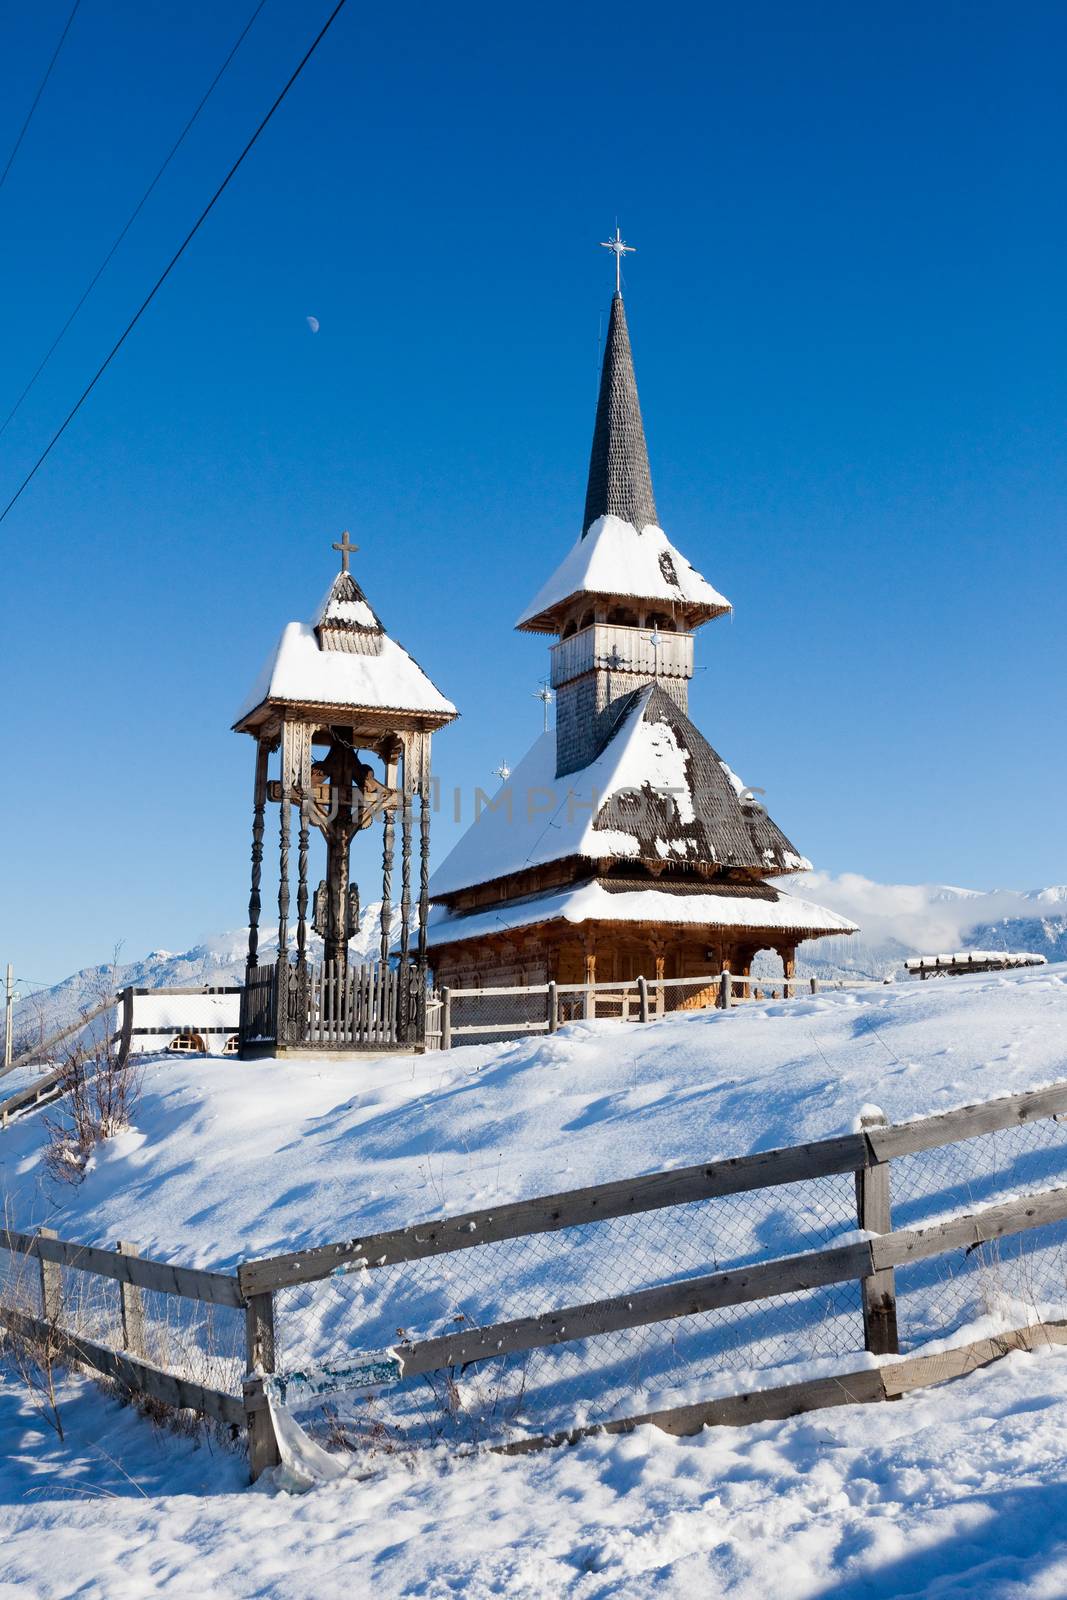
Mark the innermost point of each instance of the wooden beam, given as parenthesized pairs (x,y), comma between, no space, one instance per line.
(191,1283)
(977,1227)
(140,1376)
(733,1411)
(132,1309)
(548,1213)
(874,1215)
(948,1127)
(664,1303)
(868,1385)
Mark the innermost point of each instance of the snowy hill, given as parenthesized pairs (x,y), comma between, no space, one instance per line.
(231,1159)
(378,1144)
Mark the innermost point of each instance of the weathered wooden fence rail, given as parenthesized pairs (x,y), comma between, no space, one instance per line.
(870,1260)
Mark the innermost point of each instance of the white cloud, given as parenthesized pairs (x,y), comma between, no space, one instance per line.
(923,917)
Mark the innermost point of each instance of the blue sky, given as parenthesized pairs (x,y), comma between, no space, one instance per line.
(847,310)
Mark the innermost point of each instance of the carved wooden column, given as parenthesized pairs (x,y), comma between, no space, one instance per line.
(302,885)
(259,806)
(282,986)
(296,781)
(424,881)
(405,886)
(390,760)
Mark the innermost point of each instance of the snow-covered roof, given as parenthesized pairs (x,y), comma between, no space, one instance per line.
(615,558)
(301,671)
(595,901)
(957,959)
(657,791)
(345,614)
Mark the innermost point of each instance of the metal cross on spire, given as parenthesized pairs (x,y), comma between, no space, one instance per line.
(619,248)
(346,548)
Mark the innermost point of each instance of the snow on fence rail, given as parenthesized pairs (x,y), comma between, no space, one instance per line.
(741,1288)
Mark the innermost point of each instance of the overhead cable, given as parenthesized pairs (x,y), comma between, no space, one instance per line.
(134,214)
(172,263)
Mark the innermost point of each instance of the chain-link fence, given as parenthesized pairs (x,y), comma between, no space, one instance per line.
(569,1383)
(485,1015)
(591,1379)
(190,1339)
(1022,1278)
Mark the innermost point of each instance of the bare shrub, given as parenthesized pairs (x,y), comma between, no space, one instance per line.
(32,1334)
(98,1092)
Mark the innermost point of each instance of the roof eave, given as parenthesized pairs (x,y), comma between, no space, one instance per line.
(332,711)
(694,612)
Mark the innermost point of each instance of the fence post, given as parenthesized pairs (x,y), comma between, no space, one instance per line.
(132,1308)
(446,1017)
(725,991)
(588,1001)
(642,999)
(874,1213)
(51,1283)
(552,1003)
(814,985)
(260,1351)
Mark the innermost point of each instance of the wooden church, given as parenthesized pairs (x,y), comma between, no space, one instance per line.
(622,845)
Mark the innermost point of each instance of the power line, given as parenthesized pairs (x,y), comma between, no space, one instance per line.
(134,214)
(37,96)
(172,263)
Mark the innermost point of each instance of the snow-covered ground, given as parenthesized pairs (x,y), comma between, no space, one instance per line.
(235,1159)
(958,1492)
(229,1160)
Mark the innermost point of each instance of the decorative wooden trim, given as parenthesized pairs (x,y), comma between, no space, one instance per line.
(302,885)
(283,851)
(388,855)
(424,881)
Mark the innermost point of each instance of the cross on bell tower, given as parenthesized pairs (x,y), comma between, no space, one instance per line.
(347,548)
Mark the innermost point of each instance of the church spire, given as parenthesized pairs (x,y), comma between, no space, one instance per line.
(620,483)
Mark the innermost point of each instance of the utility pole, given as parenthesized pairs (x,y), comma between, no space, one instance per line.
(9,1002)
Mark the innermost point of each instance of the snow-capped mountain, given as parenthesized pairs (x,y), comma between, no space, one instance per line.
(901,920)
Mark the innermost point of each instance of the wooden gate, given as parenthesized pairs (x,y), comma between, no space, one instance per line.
(351,1007)
(258,1005)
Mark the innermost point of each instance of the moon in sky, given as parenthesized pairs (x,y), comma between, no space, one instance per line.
(313,324)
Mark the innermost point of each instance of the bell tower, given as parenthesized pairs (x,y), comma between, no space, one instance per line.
(345,717)
(624,603)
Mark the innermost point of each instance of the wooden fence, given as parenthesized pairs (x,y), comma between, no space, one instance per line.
(472,1014)
(871,1261)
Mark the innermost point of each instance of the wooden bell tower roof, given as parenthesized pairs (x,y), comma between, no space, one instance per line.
(342,666)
